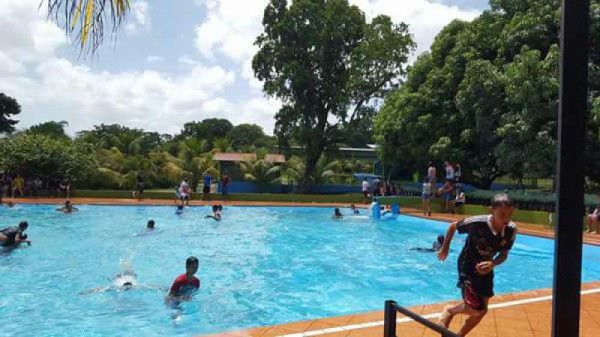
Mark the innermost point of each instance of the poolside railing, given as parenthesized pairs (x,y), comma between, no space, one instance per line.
(389,320)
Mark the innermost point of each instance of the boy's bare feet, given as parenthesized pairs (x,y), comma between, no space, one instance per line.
(446,317)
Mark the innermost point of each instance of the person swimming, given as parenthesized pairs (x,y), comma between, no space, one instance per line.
(14,236)
(216,209)
(123,281)
(435,247)
(67,208)
(337,214)
(179,210)
(355,210)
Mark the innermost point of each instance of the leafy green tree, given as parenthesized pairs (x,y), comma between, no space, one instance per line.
(51,129)
(45,157)
(322,72)
(127,140)
(8,108)
(208,129)
(246,136)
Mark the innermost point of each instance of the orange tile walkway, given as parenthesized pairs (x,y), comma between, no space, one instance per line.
(508,315)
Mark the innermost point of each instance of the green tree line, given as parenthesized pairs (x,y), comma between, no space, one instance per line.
(486,95)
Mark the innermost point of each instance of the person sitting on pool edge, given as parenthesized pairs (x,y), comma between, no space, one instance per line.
(216,209)
(337,214)
(355,210)
(67,208)
(185,285)
(14,236)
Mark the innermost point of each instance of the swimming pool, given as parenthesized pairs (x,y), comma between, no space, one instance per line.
(259,266)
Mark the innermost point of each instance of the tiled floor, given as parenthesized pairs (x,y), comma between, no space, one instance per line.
(507,317)
(514,320)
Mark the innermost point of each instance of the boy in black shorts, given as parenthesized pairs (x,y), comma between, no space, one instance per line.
(489,239)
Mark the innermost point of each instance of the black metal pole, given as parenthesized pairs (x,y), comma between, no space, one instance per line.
(571,143)
(389,319)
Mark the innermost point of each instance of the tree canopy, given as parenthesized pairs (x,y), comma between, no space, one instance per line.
(486,95)
(325,63)
(8,108)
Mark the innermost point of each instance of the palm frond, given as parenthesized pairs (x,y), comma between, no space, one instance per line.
(84,19)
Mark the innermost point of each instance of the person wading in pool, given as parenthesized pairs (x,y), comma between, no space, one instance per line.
(216,209)
(489,239)
(185,285)
(14,236)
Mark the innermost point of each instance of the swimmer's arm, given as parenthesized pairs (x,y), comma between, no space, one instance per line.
(443,253)
(94,290)
(18,239)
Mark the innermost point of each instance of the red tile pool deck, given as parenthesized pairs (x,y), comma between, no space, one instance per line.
(525,314)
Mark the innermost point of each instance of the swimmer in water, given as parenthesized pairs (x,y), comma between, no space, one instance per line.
(123,281)
(337,214)
(150,225)
(14,236)
(67,208)
(185,285)
(216,209)
(435,247)
(355,210)
(179,210)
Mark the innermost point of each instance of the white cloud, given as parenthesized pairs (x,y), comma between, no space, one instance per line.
(424,18)
(154,59)
(139,19)
(186,60)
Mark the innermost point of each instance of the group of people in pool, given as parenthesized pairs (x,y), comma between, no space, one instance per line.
(487,245)
(337,214)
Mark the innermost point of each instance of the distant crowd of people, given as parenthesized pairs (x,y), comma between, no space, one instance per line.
(17,185)
(451,192)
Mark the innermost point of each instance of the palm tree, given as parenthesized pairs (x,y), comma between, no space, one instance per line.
(260,171)
(85,19)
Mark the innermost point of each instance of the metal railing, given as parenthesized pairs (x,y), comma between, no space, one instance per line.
(389,320)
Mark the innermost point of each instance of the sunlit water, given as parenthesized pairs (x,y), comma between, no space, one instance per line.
(259,266)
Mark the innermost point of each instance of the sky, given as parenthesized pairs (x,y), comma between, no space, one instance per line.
(171,62)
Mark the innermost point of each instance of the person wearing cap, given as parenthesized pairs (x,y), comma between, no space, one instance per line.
(13,236)
(185,285)
(489,239)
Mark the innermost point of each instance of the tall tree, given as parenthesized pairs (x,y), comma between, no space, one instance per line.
(322,60)
(208,129)
(51,129)
(245,136)
(8,108)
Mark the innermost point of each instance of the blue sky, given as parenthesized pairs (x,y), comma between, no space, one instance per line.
(172,62)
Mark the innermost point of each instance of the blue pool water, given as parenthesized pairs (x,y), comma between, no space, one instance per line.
(259,266)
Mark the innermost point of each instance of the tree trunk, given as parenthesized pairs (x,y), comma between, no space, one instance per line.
(305,186)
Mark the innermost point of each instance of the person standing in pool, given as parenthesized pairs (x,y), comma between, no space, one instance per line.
(489,239)
(185,285)
(13,236)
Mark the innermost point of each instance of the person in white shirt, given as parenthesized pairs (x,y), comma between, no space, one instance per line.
(449,170)
(365,188)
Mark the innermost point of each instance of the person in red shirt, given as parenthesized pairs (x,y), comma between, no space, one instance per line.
(186,284)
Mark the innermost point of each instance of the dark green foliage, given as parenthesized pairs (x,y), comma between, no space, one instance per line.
(8,108)
(325,63)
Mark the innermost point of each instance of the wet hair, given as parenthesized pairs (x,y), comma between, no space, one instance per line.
(191,260)
(501,199)
(215,208)
(337,211)
(150,224)
(23,224)
(441,239)
(127,284)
